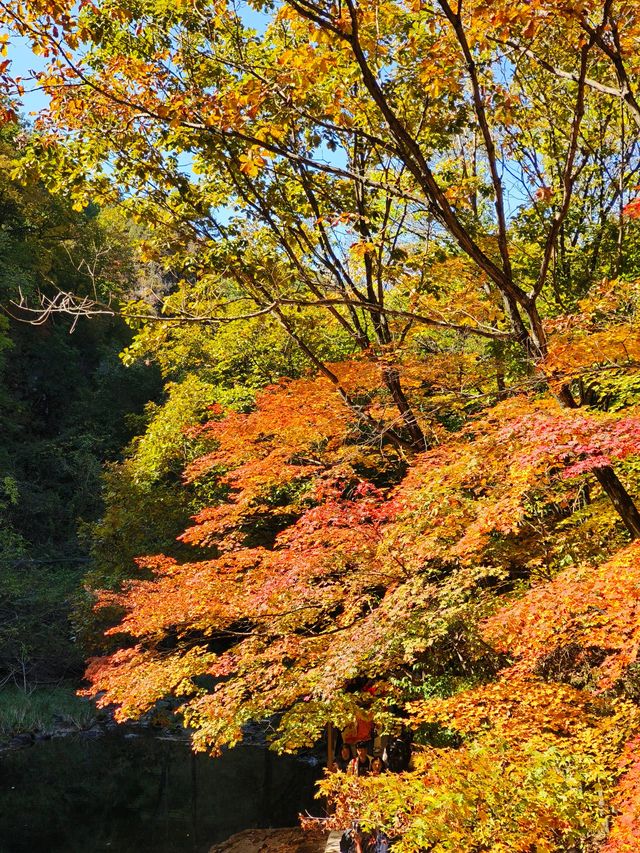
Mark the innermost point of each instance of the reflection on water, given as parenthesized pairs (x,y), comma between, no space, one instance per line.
(124,794)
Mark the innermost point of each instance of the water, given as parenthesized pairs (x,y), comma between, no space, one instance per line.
(125,794)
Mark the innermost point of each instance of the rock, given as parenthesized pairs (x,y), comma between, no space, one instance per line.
(289,840)
(21,740)
(64,731)
(93,732)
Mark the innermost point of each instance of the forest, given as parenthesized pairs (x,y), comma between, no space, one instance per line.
(319,372)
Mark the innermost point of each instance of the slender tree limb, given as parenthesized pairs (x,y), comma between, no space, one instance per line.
(455,20)
(569,176)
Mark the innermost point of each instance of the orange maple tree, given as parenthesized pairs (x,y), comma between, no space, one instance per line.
(333,557)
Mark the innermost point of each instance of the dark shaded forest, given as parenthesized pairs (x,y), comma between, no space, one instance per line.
(68,405)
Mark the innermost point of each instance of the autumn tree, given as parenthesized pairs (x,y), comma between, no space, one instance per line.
(437,191)
(347,184)
(315,549)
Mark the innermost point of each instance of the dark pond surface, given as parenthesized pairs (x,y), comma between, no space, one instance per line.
(137,794)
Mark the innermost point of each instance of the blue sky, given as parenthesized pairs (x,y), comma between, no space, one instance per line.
(23,61)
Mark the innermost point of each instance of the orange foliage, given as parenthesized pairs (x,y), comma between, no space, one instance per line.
(300,430)
(625,831)
(514,708)
(347,559)
(584,608)
(356,577)
(484,480)
(602,337)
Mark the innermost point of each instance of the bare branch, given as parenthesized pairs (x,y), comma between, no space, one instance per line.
(569,176)
(70,305)
(455,20)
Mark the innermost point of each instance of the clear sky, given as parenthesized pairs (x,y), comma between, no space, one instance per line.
(23,62)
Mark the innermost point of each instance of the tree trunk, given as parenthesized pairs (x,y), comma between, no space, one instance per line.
(411,425)
(608,479)
(566,398)
(620,498)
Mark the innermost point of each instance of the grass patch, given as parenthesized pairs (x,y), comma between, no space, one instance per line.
(43,709)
